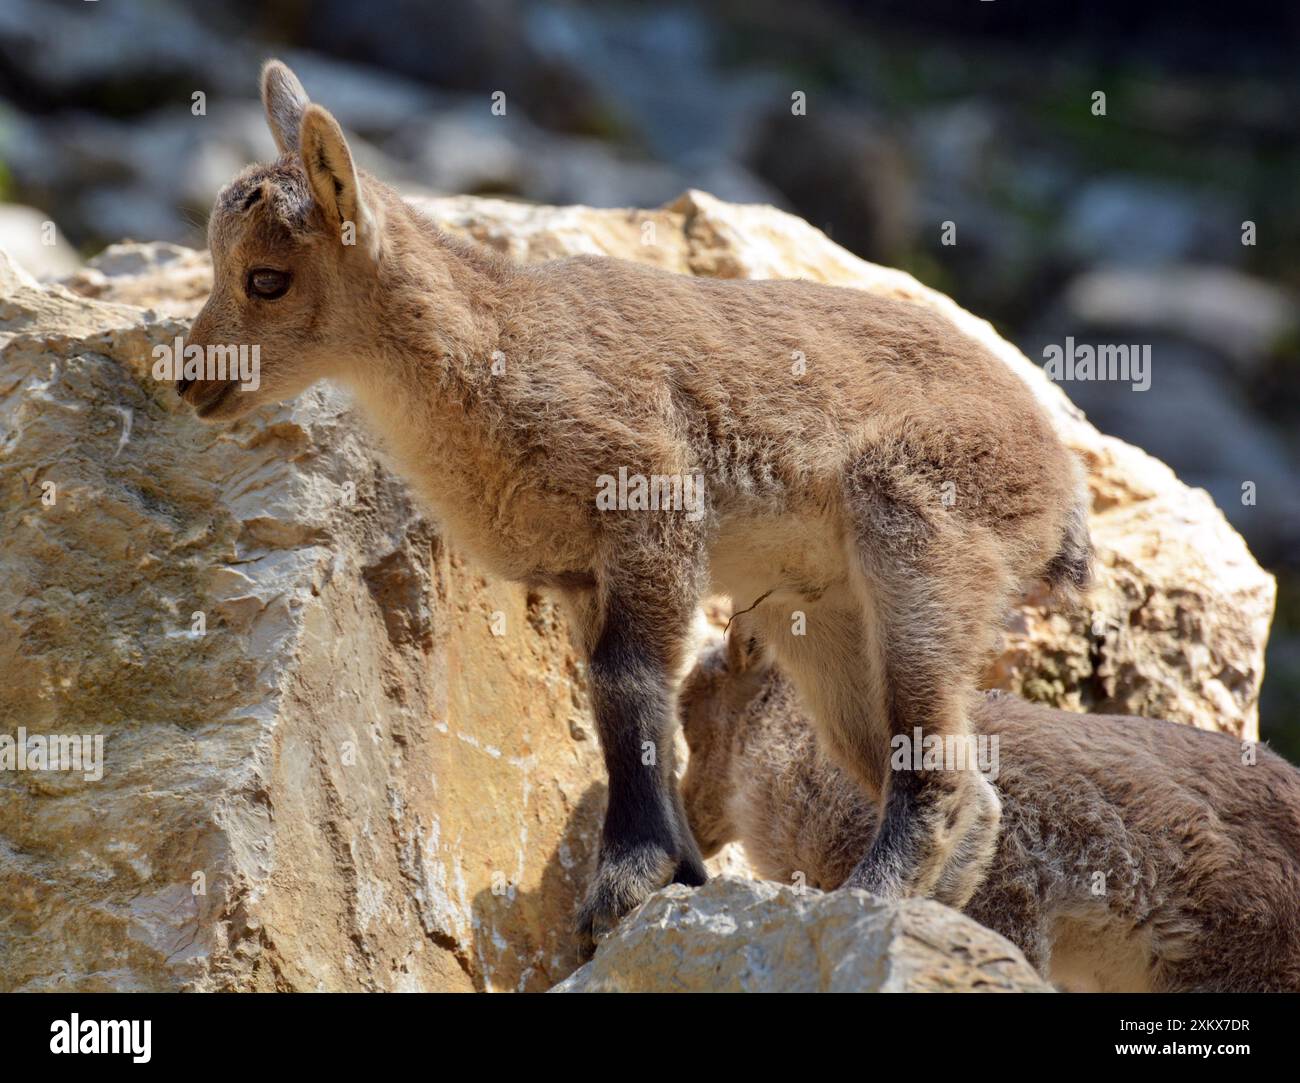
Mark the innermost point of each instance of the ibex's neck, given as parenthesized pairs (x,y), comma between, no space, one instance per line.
(442,311)
(440,295)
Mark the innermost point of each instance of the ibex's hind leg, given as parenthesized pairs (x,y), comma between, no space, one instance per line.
(932,592)
(844,681)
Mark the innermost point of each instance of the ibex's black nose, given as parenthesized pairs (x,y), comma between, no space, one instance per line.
(181,385)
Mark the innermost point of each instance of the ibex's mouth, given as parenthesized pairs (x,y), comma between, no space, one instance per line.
(206,409)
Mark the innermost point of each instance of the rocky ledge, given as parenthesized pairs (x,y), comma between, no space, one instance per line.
(747,936)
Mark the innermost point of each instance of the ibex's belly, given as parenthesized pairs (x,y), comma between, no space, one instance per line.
(795,557)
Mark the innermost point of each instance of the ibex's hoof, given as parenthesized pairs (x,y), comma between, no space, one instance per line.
(594,924)
(876,879)
(691,872)
(620,885)
(947,823)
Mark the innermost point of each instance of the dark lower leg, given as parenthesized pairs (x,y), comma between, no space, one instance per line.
(645,841)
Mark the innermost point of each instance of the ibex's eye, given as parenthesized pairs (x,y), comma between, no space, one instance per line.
(266,284)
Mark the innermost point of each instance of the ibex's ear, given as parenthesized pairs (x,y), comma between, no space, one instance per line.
(285,101)
(333,178)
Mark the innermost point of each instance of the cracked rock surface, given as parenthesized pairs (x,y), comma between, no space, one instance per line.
(748,936)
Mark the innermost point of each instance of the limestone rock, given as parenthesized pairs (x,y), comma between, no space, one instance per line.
(341,778)
(171,280)
(744,936)
(324,767)
(34,242)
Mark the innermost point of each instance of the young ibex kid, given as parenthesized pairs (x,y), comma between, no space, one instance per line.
(1134,854)
(894,494)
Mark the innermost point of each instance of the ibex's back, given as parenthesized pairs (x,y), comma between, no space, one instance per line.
(775,388)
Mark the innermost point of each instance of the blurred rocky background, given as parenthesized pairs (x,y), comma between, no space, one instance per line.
(1169,221)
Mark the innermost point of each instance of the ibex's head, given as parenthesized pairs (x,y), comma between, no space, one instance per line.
(712,703)
(294,251)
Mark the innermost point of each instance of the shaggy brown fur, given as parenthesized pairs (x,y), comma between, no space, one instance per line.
(1134,854)
(896,493)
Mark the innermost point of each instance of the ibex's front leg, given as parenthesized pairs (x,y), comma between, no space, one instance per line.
(638,629)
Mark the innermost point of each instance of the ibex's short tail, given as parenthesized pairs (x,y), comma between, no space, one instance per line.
(1069,573)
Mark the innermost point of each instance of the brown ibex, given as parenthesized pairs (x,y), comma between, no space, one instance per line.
(895,489)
